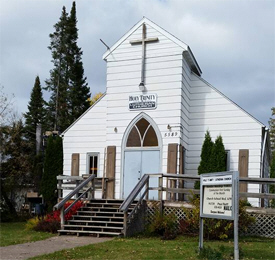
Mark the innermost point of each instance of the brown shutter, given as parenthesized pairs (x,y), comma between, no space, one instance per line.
(181,170)
(75,164)
(172,165)
(110,171)
(243,167)
(172,158)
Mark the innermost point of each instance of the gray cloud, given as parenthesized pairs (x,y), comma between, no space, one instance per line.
(233,42)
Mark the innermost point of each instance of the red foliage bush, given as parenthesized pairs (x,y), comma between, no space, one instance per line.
(51,223)
(55,215)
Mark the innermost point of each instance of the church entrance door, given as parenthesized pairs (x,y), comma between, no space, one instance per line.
(141,156)
(138,163)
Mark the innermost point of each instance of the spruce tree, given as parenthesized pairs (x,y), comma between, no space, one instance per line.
(35,117)
(69,91)
(205,163)
(79,90)
(53,166)
(35,114)
(58,83)
(218,156)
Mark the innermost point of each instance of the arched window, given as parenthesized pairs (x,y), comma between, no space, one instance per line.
(142,134)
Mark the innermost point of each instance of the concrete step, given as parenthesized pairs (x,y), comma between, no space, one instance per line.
(93,228)
(96,233)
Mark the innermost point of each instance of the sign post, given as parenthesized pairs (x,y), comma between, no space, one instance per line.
(219,198)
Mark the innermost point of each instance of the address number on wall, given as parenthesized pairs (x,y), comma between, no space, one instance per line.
(171,134)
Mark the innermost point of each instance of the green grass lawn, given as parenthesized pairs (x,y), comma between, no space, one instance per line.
(155,248)
(15,233)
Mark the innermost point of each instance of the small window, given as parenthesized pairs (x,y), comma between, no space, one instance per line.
(227,160)
(93,163)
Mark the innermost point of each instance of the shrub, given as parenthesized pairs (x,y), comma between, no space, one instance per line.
(213,228)
(164,226)
(47,225)
(51,223)
(32,223)
(53,166)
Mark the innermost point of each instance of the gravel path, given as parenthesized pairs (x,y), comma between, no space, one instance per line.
(50,245)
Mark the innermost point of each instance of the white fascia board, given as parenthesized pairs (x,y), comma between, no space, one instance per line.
(103,95)
(145,20)
(195,63)
(208,84)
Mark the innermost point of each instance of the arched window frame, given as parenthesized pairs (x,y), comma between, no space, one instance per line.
(142,135)
(132,124)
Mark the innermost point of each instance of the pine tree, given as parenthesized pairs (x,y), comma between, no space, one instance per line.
(79,90)
(53,166)
(35,117)
(35,114)
(205,163)
(58,83)
(218,156)
(70,92)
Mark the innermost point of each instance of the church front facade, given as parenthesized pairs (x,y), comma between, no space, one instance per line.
(154,115)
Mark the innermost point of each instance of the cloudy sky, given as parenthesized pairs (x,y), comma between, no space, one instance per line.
(233,42)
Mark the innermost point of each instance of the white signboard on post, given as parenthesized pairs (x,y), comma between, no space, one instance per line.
(219,198)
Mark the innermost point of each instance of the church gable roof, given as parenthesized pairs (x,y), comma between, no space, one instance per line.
(186,51)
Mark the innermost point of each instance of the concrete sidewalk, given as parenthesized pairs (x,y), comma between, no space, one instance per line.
(50,245)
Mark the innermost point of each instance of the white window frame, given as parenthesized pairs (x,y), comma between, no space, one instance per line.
(89,155)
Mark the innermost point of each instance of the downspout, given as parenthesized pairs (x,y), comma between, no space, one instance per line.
(262,204)
(263,154)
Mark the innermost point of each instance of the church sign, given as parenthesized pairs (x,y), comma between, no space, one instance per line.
(141,102)
(219,198)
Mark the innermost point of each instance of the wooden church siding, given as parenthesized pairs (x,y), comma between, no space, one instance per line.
(88,134)
(210,110)
(162,77)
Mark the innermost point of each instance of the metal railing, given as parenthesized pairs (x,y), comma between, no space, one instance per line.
(76,191)
(144,182)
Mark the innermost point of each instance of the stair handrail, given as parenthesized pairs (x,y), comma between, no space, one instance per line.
(61,204)
(131,197)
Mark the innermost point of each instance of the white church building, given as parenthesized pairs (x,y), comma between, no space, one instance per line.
(154,115)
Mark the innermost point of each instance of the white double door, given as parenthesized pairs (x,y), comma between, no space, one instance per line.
(136,164)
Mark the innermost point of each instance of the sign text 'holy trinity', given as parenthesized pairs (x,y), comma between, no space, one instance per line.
(140,102)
